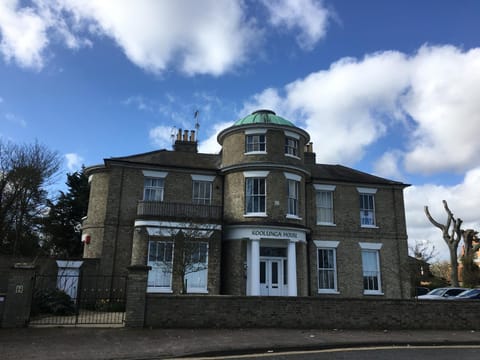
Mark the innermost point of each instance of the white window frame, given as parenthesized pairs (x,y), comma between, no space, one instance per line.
(330,189)
(154,189)
(293,200)
(256,175)
(255,134)
(328,246)
(369,193)
(158,265)
(292,151)
(371,248)
(200,276)
(205,182)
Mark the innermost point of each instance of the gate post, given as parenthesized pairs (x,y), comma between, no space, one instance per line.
(19,296)
(136,295)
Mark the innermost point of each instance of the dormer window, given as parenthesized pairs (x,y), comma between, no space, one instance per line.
(255,141)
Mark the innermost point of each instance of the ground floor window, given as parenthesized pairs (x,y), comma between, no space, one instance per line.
(160,258)
(371,272)
(196,266)
(327,270)
(327,266)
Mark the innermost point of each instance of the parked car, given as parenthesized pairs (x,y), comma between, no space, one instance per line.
(420,290)
(472,294)
(442,293)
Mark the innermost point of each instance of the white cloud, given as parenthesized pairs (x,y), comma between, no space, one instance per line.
(444,100)
(26,31)
(434,94)
(198,37)
(74,161)
(1,100)
(344,107)
(310,17)
(463,200)
(161,136)
(24,34)
(210,145)
(388,165)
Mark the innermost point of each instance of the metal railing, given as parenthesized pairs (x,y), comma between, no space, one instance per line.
(76,300)
(171,209)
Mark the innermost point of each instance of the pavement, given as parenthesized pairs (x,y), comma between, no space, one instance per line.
(129,343)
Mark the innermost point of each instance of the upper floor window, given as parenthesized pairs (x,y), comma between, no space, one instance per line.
(293,194)
(153,185)
(255,195)
(292,208)
(255,192)
(324,204)
(327,266)
(255,141)
(372,284)
(367,207)
(202,189)
(291,144)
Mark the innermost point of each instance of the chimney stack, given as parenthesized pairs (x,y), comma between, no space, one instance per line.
(185,142)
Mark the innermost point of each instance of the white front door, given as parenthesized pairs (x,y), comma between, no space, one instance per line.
(271,277)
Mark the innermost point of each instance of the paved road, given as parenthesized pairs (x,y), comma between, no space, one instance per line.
(128,343)
(379,353)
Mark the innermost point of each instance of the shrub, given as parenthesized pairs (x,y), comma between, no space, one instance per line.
(52,301)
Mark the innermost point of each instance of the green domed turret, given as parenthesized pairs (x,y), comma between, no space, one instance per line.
(263,117)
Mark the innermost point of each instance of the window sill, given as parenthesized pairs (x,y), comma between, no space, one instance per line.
(255,153)
(255,215)
(293,156)
(159,290)
(371,292)
(294,217)
(327,291)
(199,291)
(369,226)
(326,224)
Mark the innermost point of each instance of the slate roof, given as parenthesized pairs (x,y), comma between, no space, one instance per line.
(173,159)
(340,173)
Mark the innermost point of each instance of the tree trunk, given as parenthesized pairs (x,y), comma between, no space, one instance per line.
(454,266)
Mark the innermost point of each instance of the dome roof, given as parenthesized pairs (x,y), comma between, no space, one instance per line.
(263,117)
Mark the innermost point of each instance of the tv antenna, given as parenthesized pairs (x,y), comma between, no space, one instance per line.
(197,124)
(173,133)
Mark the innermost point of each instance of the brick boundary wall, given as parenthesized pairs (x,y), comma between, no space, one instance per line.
(308,313)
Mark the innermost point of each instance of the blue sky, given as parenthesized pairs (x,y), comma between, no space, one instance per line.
(387,87)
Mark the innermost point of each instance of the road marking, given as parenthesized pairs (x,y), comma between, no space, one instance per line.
(271,353)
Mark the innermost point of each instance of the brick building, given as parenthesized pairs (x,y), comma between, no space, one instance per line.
(259,218)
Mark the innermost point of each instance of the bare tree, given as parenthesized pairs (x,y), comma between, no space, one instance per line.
(190,255)
(423,250)
(452,234)
(441,270)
